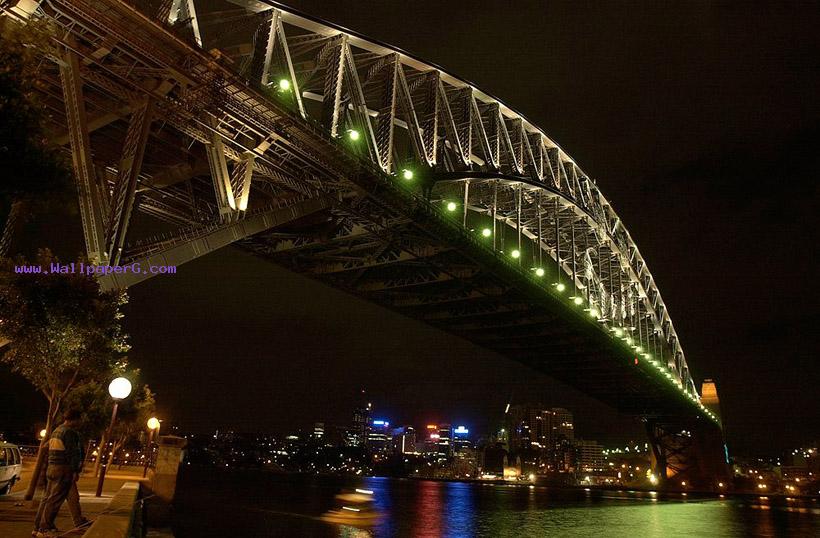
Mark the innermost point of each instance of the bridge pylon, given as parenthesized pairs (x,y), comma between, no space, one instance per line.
(689,453)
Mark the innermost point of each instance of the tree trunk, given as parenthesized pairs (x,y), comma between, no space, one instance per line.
(13,222)
(100,448)
(42,452)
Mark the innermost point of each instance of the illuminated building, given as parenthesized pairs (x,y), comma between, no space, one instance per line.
(318,430)
(361,420)
(460,440)
(590,455)
(445,447)
(562,424)
(404,440)
(378,435)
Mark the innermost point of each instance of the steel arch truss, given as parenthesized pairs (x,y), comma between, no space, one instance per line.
(205,119)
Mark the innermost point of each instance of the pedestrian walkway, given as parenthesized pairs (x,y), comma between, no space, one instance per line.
(17,515)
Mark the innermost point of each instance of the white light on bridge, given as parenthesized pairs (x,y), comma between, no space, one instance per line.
(560,286)
(284,84)
(408,175)
(451,206)
(353,134)
(486,232)
(577,300)
(515,253)
(539,272)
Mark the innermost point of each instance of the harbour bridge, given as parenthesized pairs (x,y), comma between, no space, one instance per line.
(195,124)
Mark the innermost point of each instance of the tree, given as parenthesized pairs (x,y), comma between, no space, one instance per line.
(63,331)
(34,171)
(95,403)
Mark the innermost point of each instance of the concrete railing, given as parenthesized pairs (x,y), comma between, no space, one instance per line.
(121,518)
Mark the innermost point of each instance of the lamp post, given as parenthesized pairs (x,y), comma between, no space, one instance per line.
(153,426)
(119,389)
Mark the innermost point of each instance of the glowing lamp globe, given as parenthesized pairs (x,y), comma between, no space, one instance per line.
(43,433)
(451,206)
(516,253)
(486,232)
(120,388)
(353,134)
(539,272)
(284,84)
(407,174)
(153,423)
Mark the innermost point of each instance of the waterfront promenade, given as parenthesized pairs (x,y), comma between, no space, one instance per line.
(17,515)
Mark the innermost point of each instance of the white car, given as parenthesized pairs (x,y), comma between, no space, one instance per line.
(11,465)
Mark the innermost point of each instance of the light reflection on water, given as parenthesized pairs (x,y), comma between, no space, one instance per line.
(270,505)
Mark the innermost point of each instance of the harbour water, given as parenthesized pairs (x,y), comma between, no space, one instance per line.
(250,503)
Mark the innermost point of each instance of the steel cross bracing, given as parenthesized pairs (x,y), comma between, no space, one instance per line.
(200,118)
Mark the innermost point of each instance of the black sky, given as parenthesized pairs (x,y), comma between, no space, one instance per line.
(700,122)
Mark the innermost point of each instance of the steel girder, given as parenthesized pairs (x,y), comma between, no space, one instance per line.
(410,113)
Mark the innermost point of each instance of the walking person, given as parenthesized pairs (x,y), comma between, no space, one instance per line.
(65,459)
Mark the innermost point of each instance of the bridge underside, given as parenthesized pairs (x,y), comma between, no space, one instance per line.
(434,274)
(178,151)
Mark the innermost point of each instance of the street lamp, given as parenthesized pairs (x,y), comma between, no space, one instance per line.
(119,389)
(153,426)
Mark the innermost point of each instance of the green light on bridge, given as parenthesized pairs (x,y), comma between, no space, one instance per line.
(353,134)
(284,85)
(486,232)
(594,313)
(451,206)
(515,254)
(578,300)
(560,286)
(539,272)
(408,175)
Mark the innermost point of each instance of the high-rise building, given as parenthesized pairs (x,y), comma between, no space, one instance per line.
(590,455)
(378,436)
(361,421)
(562,424)
(404,440)
(318,430)
(460,439)
(431,437)
(445,438)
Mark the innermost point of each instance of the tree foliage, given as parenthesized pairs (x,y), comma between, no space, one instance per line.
(63,329)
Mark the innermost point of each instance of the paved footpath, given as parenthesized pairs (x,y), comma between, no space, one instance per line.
(17,515)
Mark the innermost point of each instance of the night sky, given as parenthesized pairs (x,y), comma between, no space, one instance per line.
(700,123)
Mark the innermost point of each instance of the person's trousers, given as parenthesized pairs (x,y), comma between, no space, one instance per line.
(59,487)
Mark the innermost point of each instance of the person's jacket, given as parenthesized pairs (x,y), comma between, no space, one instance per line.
(65,448)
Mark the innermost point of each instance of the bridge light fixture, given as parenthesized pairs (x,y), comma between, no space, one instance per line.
(353,134)
(284,84)
(539,271)
(515,253)
(486,232)
(451,206)
(407,174)
(578,300)
(618,332)
(560,286)
(629,340)
(594,313)
(638,349)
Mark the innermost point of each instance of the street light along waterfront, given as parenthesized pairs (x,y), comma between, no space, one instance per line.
(119,389)
(153,426)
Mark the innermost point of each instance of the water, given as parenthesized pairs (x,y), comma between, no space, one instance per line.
(244,503)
